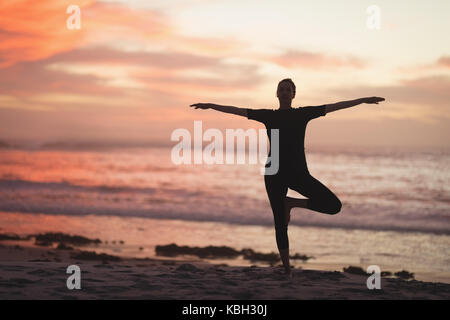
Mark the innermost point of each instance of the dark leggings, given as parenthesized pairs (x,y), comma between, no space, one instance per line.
(320,199)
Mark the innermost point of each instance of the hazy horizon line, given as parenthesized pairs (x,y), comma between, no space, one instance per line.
(83,144)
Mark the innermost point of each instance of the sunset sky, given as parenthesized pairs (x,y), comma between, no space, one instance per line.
(132,70)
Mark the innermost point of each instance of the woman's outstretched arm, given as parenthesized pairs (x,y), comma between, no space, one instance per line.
(351,103)
(218,107)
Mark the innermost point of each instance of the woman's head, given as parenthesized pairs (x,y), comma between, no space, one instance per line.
(286,89)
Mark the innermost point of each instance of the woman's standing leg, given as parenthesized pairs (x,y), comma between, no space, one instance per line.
(276,188)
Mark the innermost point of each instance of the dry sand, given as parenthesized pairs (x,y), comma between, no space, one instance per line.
(40,273)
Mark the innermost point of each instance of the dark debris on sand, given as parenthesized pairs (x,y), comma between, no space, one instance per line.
(213,252)
(404,275)
(91,255)
(172,250)
(62,246)
(355,270)
(12,236)
(188,267)
(50,238)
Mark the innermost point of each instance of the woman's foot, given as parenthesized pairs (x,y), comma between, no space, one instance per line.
(289,274)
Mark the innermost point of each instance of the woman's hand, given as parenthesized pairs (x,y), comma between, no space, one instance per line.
(373,100)
(202,105)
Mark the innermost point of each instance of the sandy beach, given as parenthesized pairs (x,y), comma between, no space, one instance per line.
(41,273)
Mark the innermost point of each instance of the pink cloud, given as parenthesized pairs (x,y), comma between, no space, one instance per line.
(31,78)
(443,62)
(159,71)
(167,60)
(431,92)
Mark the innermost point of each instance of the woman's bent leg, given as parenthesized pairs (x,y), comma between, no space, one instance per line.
(320,198)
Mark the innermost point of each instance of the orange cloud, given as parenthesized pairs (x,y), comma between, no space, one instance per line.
(109,21)
(31,31)
(310,60)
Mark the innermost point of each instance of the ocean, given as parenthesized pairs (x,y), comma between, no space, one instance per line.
(395,213)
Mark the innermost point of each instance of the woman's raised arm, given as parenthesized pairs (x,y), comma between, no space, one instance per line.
(218,107)
(351,103)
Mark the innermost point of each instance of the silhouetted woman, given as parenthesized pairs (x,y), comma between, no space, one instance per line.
(293,171)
